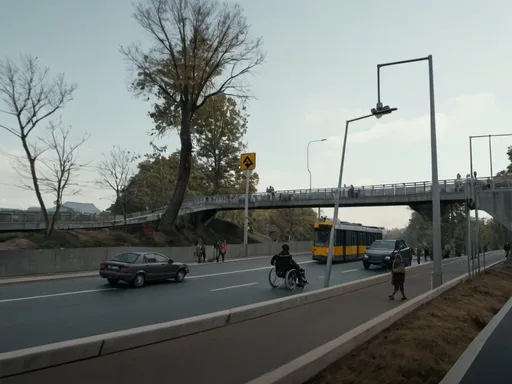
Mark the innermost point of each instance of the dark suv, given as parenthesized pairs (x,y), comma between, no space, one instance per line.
(382,252)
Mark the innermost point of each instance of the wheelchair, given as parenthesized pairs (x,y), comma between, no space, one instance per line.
(289,277)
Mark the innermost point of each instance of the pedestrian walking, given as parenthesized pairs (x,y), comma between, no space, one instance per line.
(216,250)
(398,277)
(506,248)
(223,249)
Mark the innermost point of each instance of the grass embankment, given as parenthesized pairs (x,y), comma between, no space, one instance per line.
(423,346)
(110,237)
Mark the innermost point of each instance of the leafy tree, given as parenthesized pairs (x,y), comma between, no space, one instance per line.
(200,49)
(156,174)
(220,127)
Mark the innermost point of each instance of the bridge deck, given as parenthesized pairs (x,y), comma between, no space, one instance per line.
(374,195)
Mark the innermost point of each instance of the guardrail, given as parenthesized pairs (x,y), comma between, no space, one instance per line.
(192,204)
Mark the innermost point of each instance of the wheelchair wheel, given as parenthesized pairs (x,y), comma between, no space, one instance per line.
(274,280)
(291,280)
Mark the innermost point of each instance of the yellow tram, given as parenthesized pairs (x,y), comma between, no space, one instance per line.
(350,240)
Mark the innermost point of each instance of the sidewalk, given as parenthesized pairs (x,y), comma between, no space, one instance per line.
(487,359)
(492,364)
(243,351)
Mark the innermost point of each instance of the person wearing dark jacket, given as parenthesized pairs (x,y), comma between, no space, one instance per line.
(285,254)
(398,277)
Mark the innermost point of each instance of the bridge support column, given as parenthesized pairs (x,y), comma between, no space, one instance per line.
(498,204)
(425,209)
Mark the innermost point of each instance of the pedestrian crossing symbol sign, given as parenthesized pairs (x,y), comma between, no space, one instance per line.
(248,161)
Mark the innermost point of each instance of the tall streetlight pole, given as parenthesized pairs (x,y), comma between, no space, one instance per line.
(312,141)
(375,113)
(476,251)
(437,274)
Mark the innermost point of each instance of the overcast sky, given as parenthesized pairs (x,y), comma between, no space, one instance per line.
(320,71)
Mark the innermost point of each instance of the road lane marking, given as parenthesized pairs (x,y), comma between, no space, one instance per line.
(351,270)
(233,286)
(241,271)
(55,295)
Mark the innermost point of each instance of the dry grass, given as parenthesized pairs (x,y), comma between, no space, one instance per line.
(424,345)
(114,237)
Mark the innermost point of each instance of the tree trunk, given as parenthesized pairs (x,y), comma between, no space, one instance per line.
(185,167)
(54,219)
(35,182)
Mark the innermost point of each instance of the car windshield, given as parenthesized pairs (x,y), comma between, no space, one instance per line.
(322,237)
(383,244)
(129,258)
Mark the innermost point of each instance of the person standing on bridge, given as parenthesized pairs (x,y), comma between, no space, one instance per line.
(398,277)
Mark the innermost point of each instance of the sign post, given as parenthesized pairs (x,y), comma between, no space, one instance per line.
(247,164)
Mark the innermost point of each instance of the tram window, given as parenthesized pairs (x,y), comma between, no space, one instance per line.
(339,239)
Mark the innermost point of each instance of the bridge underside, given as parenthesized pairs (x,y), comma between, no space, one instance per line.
(498,204)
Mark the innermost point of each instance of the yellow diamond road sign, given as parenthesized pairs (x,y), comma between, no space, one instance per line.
(248,161)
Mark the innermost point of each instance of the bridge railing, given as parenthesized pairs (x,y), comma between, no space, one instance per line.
(193,203)
(413,188)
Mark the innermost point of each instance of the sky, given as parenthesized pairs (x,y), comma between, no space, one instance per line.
(320,71)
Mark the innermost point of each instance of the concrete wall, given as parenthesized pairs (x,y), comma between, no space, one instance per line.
(47,261)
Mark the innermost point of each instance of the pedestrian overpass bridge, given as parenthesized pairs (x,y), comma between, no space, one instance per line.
(417,195)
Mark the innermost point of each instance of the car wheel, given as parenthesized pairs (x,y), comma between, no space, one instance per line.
(366,265)
(180,276)
(113,281)
(139,280)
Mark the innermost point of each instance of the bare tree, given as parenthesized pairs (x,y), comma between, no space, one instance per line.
(30,96)
(201,48)
(55,170)
(115,172)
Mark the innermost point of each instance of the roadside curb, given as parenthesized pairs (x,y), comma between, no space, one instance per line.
(78,275)
(310,364)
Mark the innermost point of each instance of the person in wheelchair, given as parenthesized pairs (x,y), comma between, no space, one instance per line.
(284,262)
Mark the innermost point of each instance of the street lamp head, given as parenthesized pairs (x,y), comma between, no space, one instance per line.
(381,110)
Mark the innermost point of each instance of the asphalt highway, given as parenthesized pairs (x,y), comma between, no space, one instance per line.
(46,312)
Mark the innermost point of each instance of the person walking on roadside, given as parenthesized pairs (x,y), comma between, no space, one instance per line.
(223,248)
(198,251)
(216,250)
(506,248)
(398,277)
(426,252)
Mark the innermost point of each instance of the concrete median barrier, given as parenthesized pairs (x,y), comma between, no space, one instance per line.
(26,360)
(151,334)
(32,359)
(29,262)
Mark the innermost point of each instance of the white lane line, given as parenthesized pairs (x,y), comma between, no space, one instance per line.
(351,270)
(54,295)
(233,286)
(241,271)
